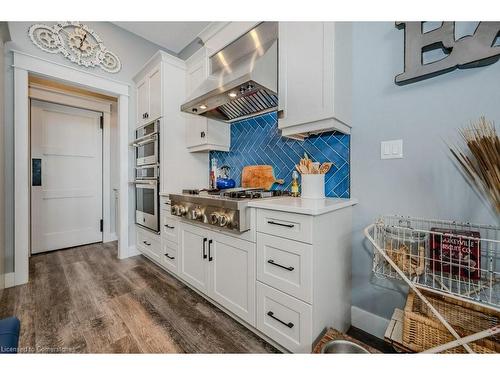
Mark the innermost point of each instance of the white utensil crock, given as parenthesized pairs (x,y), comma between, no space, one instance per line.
(313,186)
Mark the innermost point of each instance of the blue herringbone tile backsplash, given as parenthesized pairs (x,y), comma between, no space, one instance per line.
(258,141)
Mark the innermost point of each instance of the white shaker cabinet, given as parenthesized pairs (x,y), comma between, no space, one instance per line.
(149,96)
(314,80)
(193,257)
(161,90)
(203,134)
(220,266)
(232,281)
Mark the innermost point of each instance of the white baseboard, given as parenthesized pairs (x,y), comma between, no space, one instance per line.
(110,237)
(132,251)
(368,322)
(10,279)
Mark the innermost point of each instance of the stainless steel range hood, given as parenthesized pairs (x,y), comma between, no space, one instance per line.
(243,78)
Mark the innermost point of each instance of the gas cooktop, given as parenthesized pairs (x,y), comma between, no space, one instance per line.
(226,209)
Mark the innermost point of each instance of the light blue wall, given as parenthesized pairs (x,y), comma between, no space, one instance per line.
(133,51)
(425,114)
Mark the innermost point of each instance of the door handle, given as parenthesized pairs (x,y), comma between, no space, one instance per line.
(281,224)
(204,248)
(169,257)
(271,314)
(36,171)
(147,243)
(169,226)
(290,268)
(210,258)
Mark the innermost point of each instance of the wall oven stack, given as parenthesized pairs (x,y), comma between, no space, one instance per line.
(147,175)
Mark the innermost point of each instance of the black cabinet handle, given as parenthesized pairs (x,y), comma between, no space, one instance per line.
(36,170)
(281,224)
(271,314)
(290,268)
(204,248)
(147,243)
(202,134)
(169,226)
(169,257)
(210,258)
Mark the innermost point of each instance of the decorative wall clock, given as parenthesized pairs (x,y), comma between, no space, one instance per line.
(77,42)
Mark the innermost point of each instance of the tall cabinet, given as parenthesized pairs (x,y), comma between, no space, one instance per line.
(160,90)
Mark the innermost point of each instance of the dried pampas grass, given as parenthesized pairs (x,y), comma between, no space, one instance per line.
(480,159)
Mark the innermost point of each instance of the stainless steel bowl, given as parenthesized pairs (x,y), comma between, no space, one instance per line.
(343,347)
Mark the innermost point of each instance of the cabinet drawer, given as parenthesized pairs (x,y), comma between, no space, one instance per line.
(285,265)
(284,319)
(284,224)
(169,229)
(148,244)
(169,255)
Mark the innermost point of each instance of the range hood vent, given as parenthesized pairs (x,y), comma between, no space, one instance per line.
(243,78)
(258,102)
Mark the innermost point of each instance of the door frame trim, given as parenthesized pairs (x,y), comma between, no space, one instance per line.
(23,65)
(47,94)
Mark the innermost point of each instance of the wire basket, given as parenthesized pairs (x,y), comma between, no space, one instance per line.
(446,257)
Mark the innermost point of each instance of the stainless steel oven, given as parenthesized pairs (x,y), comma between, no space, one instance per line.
(147,144)
(147,208)
(147,172)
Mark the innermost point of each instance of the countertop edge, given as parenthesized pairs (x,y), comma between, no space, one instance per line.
(268,205)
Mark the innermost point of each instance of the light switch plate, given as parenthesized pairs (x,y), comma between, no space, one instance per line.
(391,149)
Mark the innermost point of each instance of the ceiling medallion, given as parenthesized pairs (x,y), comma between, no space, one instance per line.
(77,42)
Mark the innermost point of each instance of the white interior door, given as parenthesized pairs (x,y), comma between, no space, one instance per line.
(66,197)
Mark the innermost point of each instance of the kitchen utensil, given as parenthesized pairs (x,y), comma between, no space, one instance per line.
(325,167)
(259,176)
(307,166)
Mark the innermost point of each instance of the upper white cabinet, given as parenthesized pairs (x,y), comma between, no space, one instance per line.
(203,134)
(314,79)
(149,96)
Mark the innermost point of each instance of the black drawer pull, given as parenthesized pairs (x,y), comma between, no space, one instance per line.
(210,258)
(169,226)
(169,257)
(204,248)
(271,314)
(147,243)
(270,261)
(281,224)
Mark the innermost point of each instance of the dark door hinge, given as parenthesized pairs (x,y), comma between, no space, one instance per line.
(102,122)
(101,224)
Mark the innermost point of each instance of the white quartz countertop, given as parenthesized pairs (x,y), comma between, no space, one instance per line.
(303,206)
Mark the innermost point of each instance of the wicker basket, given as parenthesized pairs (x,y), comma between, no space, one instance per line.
(422,330)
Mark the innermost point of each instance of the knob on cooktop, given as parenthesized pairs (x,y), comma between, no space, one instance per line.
(214,218)
(196,214)
(223,220)
(179,210)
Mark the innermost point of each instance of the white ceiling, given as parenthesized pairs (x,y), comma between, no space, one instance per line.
(173,36)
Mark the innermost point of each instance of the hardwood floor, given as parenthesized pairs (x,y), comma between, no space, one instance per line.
(85,300)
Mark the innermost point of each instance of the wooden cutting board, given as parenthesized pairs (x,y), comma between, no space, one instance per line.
(259,176)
